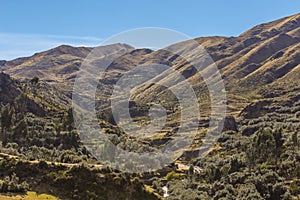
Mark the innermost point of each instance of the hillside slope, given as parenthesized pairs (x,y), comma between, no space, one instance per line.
(255,157)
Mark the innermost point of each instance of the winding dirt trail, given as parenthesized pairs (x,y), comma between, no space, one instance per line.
(69,165)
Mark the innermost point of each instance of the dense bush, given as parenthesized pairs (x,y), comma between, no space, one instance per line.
(173,175)
(13,184)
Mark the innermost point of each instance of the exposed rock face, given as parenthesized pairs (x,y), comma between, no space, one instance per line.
(230,124)
(4,80)
(255,109)
(10,91)
(249,130)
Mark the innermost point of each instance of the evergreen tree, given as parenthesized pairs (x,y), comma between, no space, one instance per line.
(7,121)
(278,144)
(264,144)
(68,120)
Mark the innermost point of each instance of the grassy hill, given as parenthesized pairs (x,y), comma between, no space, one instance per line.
(256,157)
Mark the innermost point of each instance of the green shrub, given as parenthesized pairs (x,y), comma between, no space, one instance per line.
(173,175)
(295,187)
(12,184)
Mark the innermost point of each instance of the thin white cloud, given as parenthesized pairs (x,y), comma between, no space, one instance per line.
(19,45)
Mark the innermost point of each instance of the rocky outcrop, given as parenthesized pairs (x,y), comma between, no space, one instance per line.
(230,124)
(8,89)
(255,109)
(10,93)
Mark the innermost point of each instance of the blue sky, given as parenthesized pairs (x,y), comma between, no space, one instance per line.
(31,26)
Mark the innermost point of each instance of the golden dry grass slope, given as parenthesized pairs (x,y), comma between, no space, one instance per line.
(267,55)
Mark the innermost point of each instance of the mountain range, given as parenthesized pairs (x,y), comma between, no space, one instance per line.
(260,70)
(265,57)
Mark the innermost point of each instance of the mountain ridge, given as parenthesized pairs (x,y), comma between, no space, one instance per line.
(254,157)
(258,57)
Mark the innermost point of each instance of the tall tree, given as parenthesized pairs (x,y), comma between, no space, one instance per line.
(277,134)
(7,121)
(264,144)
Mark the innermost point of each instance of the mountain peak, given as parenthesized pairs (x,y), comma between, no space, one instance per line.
(67,49)
(273,28)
